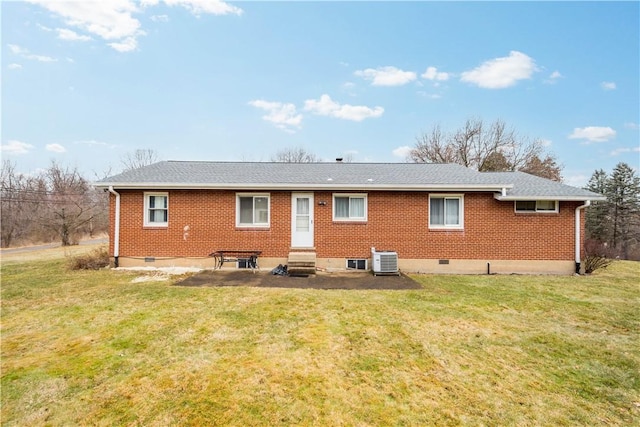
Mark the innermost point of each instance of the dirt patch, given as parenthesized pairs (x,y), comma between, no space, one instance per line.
(321,280)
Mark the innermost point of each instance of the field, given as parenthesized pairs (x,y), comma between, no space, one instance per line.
(109,348)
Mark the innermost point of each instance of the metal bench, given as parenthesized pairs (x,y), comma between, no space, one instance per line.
(231,255)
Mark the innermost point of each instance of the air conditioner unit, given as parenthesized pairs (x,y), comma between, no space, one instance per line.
(384,262)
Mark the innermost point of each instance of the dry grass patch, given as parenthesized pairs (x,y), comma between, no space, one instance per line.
(93,260)
(95,347)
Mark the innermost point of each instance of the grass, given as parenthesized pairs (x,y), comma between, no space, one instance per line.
(98,348)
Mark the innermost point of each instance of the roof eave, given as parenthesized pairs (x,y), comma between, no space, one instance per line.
(547,197)
(302,186)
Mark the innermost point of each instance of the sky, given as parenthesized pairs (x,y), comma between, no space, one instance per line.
(87,83)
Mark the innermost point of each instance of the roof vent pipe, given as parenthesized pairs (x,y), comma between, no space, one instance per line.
(116,227)
(587,203)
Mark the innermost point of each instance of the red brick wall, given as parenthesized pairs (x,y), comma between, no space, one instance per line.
(396,221)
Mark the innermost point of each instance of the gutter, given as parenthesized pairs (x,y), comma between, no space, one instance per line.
(587,203)
(328,186)
(116,227)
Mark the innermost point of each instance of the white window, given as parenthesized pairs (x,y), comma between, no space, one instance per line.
(252,210)
(446,211)
(539,206)
(349,207)
(156,209)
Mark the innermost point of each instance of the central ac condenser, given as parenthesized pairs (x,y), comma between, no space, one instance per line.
(384,262)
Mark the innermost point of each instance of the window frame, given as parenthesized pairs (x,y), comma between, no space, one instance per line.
(254,224)
(147,207)
(536,210)
(445,226)
(363,196)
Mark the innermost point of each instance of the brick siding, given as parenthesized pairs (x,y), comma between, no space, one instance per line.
(396,221)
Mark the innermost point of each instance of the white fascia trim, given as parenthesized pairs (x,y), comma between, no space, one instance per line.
(305,187)
(558,198)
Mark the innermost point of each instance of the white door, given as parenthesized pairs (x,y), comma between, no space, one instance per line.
(302,220)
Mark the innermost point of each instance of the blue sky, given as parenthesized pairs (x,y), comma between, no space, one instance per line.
(86,83)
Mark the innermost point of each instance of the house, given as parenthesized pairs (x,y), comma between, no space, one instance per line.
(437,218)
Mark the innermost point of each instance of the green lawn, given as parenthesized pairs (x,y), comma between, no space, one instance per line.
(97,348)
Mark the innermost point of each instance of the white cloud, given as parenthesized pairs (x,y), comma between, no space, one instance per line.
(160,18)
(326,107)
(111,20)
(386,76)
(66,34)
(608,85)
(554,77)
(56,148)
(15,147)
(632,125)
(24,53)
(546,142)
(214,7)
(593,134)
(402,151)
(429,95)
(114,20)
(619,151)
(432,73)
(126,45)
(502,72)
(283,116)
(14,66)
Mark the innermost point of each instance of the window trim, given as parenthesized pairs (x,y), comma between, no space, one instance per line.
(253,196)
(146,221)
(536,210)
(460,198)
(363,196)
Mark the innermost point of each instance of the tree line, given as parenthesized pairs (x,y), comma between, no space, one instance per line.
(613,225)
(57,204)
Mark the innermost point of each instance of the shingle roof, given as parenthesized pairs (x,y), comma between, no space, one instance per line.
(335,176)
(527,187)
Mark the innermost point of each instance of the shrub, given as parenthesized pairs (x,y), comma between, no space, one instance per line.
(94,260)
(597,255)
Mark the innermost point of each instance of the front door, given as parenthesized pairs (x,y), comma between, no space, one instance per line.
(302,220)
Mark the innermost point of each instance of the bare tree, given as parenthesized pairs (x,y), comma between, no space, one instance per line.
(20,201)
(545,168)
(295,155)
(432,147)
(57,203)
(70,205)
(139,158)
(485,148)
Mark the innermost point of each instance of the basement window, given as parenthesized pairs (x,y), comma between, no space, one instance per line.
(536,206)
(357,264)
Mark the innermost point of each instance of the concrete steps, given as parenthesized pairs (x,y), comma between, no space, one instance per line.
(301,263)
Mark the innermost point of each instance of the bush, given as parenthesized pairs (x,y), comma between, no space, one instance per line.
(94,260)
(597,255)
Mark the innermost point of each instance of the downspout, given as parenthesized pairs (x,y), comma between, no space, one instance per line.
(587,203)
(116,228)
